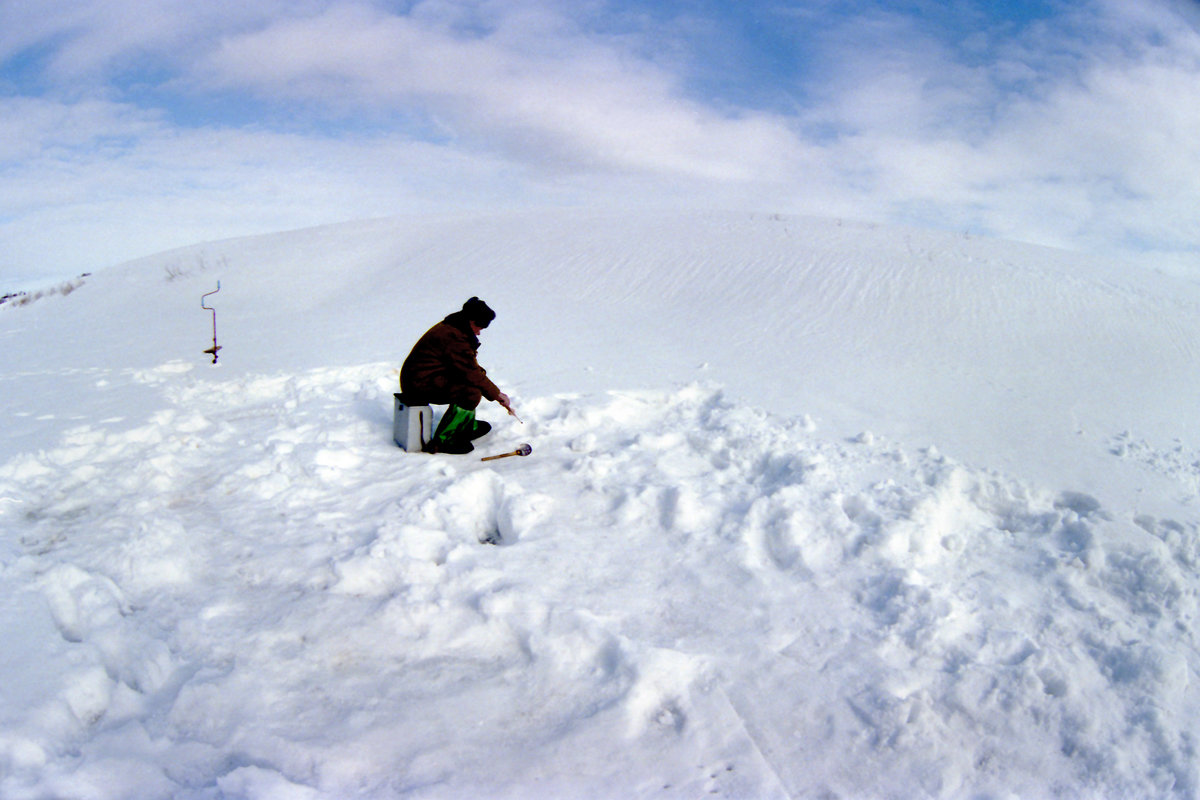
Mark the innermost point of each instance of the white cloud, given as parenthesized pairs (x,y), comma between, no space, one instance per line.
(1081,133)
(88,41)
(109,182)
(1077,131)
(541,92)
(525,106)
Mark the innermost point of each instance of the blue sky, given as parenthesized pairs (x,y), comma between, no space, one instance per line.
(132,126)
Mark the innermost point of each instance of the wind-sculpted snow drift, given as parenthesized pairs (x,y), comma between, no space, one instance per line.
(238,587)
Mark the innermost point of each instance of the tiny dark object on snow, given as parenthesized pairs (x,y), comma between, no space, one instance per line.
(212,350)
(523,450)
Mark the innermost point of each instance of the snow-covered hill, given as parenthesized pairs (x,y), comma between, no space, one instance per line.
(815,510)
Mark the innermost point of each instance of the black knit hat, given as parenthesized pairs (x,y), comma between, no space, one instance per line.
(478,312)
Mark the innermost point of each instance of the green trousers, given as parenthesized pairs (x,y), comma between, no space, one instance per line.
(456,422)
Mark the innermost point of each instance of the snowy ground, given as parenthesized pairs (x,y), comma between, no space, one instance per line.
(814,510)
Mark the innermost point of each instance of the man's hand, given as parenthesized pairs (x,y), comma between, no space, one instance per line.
(504,401)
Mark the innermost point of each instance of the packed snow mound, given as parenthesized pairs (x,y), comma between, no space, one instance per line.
(813,510)
(253,593)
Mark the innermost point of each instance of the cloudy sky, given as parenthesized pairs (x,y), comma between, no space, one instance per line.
(132,126)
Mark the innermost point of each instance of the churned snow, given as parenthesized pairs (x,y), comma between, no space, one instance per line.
(814,510)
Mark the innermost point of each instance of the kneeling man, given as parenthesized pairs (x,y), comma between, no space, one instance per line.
(442,369)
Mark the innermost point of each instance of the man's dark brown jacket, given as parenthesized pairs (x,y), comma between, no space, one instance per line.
(442,367)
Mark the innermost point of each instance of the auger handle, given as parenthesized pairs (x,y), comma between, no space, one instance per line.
(204,297)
